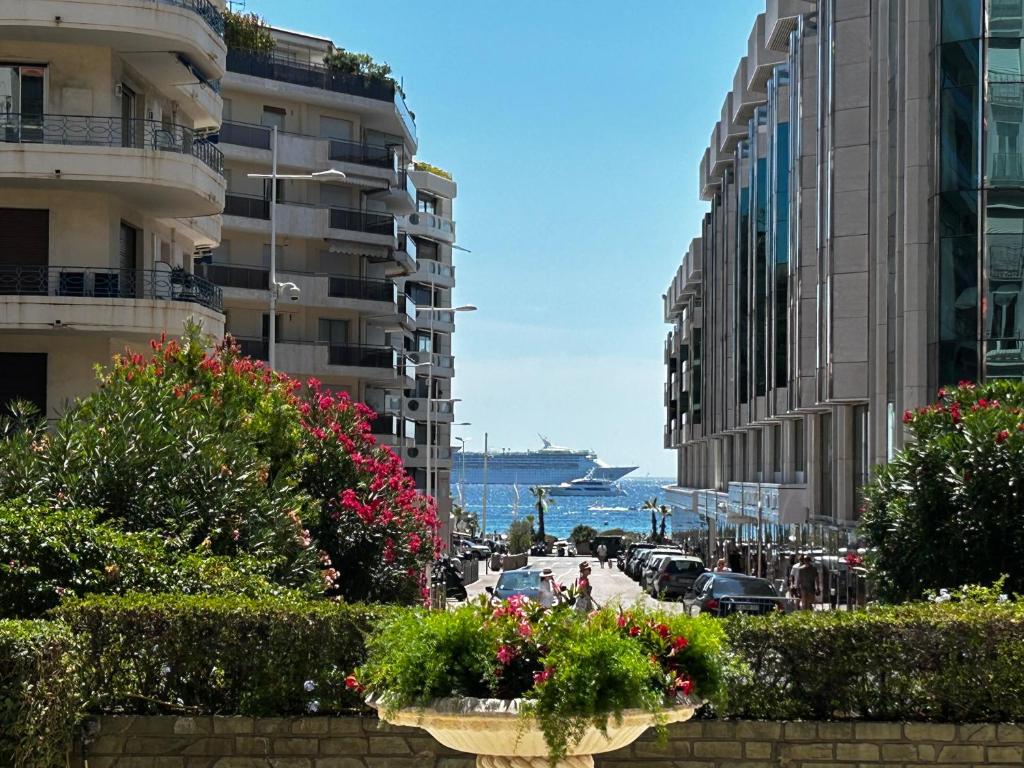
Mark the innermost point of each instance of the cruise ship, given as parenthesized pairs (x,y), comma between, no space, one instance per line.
(550,465)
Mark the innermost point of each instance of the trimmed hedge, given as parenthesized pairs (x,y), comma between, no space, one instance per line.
(40,686)
(212,655)
(951,663)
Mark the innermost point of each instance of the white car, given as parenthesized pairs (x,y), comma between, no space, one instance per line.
(563,548)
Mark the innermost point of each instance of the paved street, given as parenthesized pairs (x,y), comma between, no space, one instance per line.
(610,584)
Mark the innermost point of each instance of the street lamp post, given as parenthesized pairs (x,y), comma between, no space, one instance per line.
(328,175)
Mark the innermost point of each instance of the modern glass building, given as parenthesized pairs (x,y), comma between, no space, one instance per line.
(864,245)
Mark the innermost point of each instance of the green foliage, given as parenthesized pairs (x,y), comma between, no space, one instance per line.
(46,553)
(219,655)
(40,693)
(22,439)
(569,670)
(419,165)
(247,32)
(582,534)
(946,509)
(351,63)
(520,536)
(954,663)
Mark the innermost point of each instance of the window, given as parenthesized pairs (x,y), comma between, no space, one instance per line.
(273,116)
(335,128)
(333,332)
(424,342)
(24,379)
(21,102)
(426,249)
(426,204)
(277,327)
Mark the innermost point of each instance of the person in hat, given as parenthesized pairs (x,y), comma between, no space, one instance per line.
(585,602)
(547,592)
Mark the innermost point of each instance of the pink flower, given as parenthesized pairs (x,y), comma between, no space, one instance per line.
(506,654)
(622,620)
(907,417)
(544,676)
(524,629)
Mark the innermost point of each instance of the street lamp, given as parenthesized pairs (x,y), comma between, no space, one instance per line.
(328,175)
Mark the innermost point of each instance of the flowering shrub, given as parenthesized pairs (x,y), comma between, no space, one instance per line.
(946,509)
(219,456)
(569,671)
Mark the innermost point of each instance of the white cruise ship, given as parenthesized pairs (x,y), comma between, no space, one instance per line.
(550,465)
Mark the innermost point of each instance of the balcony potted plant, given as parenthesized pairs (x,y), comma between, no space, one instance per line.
(519,685)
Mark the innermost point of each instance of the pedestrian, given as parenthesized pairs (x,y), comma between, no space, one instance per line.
(808,582)
(602,555)
(585,602)
(794,576)
(547,591)
(721,567)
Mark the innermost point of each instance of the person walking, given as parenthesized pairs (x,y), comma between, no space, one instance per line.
(547,592)
(721,567)
(808,583)
(585,602)
(795,564)
(602,555)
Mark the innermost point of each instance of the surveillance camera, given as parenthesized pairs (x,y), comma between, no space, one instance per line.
(290,291)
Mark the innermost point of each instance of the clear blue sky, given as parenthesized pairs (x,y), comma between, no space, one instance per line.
(574,130)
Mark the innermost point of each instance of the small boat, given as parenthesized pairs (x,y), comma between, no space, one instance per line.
(586,486)
(600,508)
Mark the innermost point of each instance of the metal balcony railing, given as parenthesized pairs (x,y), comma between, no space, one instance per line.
(205,10)
(363,356)
(356,220)
(245,135)
(247,206)
(366,288)
(275,67)
(251,278)
(92,131)
(108,283)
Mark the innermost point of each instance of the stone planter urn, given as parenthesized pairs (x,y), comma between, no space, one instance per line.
(494,731)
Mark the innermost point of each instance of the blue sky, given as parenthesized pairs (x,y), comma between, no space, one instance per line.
(574,130)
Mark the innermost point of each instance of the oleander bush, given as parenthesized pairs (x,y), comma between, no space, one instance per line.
(959,662)
(47,553)
(40,693)
(946,510)
(153,654)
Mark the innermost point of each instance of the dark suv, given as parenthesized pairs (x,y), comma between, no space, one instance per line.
(676,575)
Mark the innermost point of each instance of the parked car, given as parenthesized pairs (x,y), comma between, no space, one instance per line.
(625,559)
(675,576)
(650,568)
(637,570)
(474,549)
(539,549)
(722,594)
(520,582)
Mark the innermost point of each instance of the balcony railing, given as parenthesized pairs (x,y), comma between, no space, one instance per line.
(362,356)
(250,278)
(343,151)
(247,206)
(447,317)
(407,306)
(433,221)
(245,135)
(257,349)
(107,283)
(407,244)
(356,220)
(282,69)
(206,10)
(88,131)
(368,289)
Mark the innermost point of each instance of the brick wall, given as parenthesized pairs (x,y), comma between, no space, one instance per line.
(321,742)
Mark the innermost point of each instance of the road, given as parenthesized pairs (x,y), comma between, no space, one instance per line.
(610,584)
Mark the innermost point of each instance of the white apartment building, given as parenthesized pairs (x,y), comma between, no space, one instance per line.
(370,253)
(108,184)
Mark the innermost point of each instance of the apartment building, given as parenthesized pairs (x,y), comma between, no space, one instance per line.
(366,259)
(864,245)
(108,184)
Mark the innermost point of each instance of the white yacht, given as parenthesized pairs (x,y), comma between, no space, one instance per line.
(586,486)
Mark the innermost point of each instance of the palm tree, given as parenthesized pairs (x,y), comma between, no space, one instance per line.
(666,512)
(540,494)
(652,504)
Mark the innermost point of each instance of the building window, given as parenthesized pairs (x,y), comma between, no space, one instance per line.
(799,450)
(426,203)
(22,101)
(273,116)
(333,332)
(24,379)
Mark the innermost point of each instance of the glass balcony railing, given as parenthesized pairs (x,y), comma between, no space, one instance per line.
(365,288)
(226,276)
(356,220)
(343,151)
(362,356)
(247,206)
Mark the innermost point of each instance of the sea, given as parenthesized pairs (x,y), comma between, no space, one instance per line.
(566,512)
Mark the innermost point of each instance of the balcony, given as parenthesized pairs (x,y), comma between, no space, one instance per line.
(440,366)
(84,298)
(148,32)
(366,289)
(440,412)
(362,154)
(370,222)
(434,273)
(431,226)
(362,356)
(393,430)
(441,321)
(403,258)
(312,221)
(165,168)
(285,70)
(247,206)
(243,278)
(384,402)
(781,19)
(257,349)
(761,60)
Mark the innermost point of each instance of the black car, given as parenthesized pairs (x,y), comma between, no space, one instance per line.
(539,549)
(721,593)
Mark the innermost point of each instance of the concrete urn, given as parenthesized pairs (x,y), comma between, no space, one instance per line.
(494,731)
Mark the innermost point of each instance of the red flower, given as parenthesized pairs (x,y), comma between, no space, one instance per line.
(353,685)
(622,620)
(662,630)
(544,676)
(907,417)
(1003,436)
(506,654)
(684,685)
(634,631)
(680,642)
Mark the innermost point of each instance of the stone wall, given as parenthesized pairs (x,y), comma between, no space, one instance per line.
(322,742)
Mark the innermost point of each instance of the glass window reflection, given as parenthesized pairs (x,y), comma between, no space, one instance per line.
(1005,18)
(1004,273)
(958,138)
(961,19)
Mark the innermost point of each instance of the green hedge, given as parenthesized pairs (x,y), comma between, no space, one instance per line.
(40,687)
(952,663)
(177,653)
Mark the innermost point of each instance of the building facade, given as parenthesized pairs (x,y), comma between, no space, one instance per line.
(864,246)
(108,184)
(366,259)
